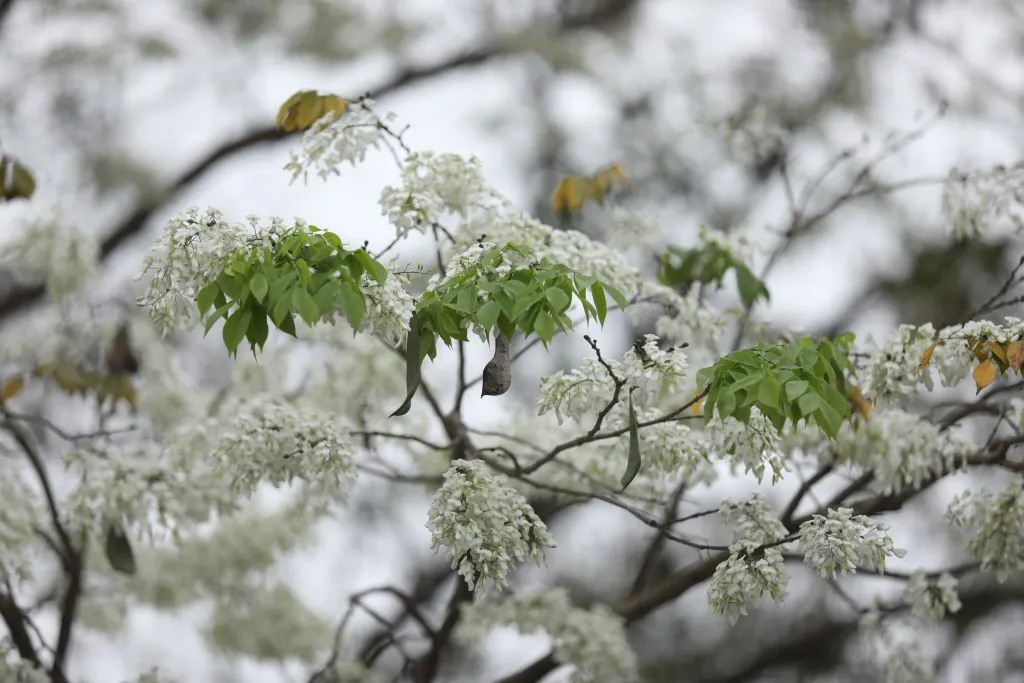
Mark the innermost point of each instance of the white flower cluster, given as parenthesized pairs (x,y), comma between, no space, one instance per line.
(754,445)
(389,306)
(588,389)
(840,541)
(192,251)
(434,185)
(890,370)
(503,223)
(933,597)
(994,524)
(52,249)
(468,258)
(752,519)
(742,580)
(737,245)
(972,202)
(669,447)
(270,441)
(20,516)
(335,140)
(690,319)
(593,641)
(901,448)
(157,492)
(486,526)
(901,656)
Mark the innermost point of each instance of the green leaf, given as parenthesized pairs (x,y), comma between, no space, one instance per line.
(215,316)
(355,305)
(305,306)
(376,270)
(207,297)
(809,402)
(619,297)
(544,326)
(633,463)
(412,368)
(118,550)
(600,302)
(235,328)
(558,299)
(287,324)
(750,286)
(258,329)
(795,389)
(524,304)
(487,315)
(258,286)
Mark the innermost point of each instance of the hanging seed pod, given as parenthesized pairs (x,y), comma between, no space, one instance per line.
(121,360)
(498,372)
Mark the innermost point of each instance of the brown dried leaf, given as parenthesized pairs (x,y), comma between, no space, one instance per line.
(985,374)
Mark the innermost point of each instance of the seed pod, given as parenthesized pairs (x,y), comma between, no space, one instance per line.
(120,358)
(498,372)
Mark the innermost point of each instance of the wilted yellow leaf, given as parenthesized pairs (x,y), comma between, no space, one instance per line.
(997,350)
(860,405)
(15,180)
(11,388)
(927,357)
(1015,354)
(568,197)
(306,107)
(573,191)
(978,349)
(985,374)
(695,409)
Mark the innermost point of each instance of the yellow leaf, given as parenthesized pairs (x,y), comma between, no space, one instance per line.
(306,107)
(15,180)
(860,404)
(984,375)
(997,351)
(697,406)
(11,388)
(927,357)
(978,349)
(568,197)
(1015,354)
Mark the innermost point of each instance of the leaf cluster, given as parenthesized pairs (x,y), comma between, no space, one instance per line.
(306,107)
(801,380)
(994,359)
(575,190)
(680,267)
(304,271)
(533,299)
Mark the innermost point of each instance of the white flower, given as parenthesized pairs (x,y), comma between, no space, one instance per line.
(755,444)
(890,371)
(933,597)
(994,524)
(51,248)
(752,519)
(744,578)
(902,449)
(486,526)
(586,390)
(900,654)
(13,669)
(192,251)
(691,319)
(972,203)
(389,306)
(270,441)
(593,641)
(841,542)
(434,185)
(334,140)
(157,492)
